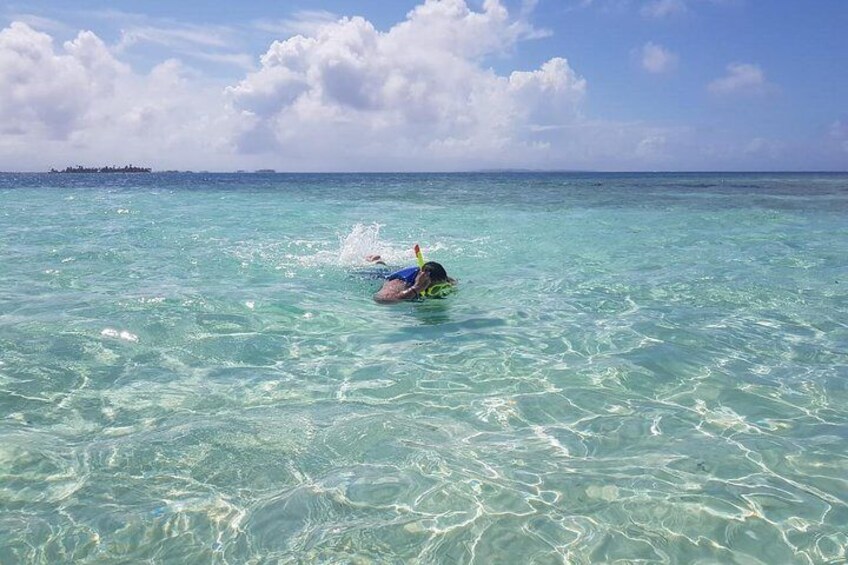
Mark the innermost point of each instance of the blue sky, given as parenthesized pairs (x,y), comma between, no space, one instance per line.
(427,85)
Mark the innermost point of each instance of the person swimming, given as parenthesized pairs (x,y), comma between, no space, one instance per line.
(429,281)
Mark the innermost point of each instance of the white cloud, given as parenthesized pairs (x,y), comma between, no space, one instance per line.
(663,8)
(49,92)
(303,22)
(141,34)
(39,23)
(657,59)
(171,37)
(419,96)
(80,104)
(741,78)
(415,90)
(204,43)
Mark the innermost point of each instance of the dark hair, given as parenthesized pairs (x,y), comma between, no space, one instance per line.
(436,271)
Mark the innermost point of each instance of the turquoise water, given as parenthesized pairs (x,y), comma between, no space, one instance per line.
(636,368)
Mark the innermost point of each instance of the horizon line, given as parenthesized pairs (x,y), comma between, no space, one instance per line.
(449,172)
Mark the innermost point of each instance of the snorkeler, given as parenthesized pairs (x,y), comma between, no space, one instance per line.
(430,280)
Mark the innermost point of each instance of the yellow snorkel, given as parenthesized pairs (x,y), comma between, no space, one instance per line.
(418,256)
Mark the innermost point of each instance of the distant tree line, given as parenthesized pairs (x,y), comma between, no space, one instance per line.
(81,169)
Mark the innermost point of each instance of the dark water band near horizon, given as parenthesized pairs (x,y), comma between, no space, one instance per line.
(636,368)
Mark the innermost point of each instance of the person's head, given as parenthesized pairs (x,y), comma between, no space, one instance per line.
(436,272)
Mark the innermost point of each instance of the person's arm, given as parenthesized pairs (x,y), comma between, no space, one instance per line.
(396,290)
(375,259)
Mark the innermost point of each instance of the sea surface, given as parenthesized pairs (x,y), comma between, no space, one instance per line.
(636,368)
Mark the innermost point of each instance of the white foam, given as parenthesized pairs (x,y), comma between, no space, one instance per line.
(119,334)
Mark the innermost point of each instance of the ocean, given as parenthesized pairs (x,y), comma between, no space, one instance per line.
(635,368)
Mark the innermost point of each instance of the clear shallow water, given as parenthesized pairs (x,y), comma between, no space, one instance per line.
(636,367)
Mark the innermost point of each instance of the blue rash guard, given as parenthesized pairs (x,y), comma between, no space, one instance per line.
(407,275)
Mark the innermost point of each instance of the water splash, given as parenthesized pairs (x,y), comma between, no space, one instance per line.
(364,240)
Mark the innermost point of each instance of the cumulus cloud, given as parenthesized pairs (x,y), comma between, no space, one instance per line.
(416,88)
(341,96)
(80,103)
(49,92)
(741,78)
(657,59)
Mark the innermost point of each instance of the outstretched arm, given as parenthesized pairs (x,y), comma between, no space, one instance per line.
(376,259)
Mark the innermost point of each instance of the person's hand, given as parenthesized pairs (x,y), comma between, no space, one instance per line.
(422,281)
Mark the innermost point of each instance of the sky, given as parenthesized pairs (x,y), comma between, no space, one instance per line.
(425,85)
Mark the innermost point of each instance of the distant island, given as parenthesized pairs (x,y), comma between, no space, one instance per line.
(81,169)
